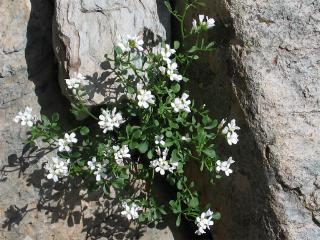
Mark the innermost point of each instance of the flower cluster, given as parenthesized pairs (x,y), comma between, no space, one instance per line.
(204,23)
(171,68)
(204,221)
(181,104)
(121,153)
(161,164)
(224,166)
(98,168)
(131,211)
(75,82)
(110,120)
(65,143)
(131,43)
(25,117)
(158,140)
(57,168)
(164,131)
(229,131)
(166,52)
(145,98)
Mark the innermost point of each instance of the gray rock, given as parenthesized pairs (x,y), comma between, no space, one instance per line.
(86,30)
(30,206)
(268,56)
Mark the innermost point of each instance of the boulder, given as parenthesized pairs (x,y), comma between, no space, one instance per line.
(86,30)
(265,73)
(31,207)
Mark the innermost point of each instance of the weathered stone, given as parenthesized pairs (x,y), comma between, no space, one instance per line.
(86,30)
(32,207)
(27,78)
(268,56)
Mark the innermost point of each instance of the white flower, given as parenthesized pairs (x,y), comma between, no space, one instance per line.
(131,42)
(162,70)
(25,118)
(140,86)
(75,82)
(70,138)
(121,153)
(204,221)
(173,72)
(98,168)
(100,172)
(186,138)
(63,145)
(110,120)
(92,164)
(225,166)
(131,211)
(159,140)
(166,53)
(145,98)
(221,124)
(210,22)
(232,138)
(204,23)
(57,168)
(181,104)
(229,131)
(232,126)
(161,164)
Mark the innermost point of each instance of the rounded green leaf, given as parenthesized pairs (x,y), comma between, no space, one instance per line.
(143,147)
(84,131)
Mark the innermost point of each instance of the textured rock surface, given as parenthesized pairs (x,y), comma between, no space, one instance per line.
(27,78)
(278,88)
(86,30)
(268,56)
(31,207)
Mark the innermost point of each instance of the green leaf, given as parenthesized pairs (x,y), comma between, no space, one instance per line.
(76,154)
(194,202)
(206,120)
(137,134)
(118,183)
(143,147)
(162,210)
(176,44)
(168,134)
(45,120)
(185,79)
(178,220)
(55,117)
(216,216)
(193,49)
(130,89)
(84,131)
(176,88)
(174,156)
(169,143)
(150,154)
(117,50)
(209,152)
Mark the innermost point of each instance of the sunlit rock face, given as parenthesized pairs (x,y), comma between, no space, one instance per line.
(86,30)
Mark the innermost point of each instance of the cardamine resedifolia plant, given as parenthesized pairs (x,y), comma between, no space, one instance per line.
(155,130)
